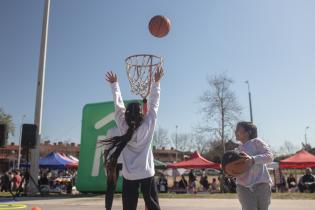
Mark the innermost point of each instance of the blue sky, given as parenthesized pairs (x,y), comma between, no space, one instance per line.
(270,43)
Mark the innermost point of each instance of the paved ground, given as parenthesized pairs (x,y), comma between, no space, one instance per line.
(97,203)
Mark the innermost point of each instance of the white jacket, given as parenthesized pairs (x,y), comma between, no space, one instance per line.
(137,156)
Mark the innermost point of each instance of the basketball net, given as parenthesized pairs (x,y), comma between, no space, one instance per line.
(140,71)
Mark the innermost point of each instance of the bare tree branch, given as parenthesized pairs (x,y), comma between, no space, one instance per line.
(160,138)
(220,108)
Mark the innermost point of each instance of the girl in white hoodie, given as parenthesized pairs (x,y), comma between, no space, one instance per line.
(135,144)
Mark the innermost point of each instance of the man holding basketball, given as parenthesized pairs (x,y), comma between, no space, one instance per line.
(135,144)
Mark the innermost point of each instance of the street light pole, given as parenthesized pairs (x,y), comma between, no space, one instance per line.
(250,101)
(34,153)
(305,136)
(20,141)
(176,143)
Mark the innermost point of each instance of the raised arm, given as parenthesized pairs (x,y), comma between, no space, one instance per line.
(154,98)
(119,103)
(111,77)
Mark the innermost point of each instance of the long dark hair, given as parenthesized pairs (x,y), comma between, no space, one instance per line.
(133,118)
(249,128)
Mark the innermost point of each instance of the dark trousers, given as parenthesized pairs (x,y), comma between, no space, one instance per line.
(309,187)
(110,191)
(131,193)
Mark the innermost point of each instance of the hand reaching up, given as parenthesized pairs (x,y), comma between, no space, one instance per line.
(111,77)
(158,74)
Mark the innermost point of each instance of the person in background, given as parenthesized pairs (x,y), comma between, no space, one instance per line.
(192,181)
(162,184)
(291,181)
(16,180)
(307,181)
(282,183)
(183,184)
(204,181)
(214,186)
(5,182)
(253,187)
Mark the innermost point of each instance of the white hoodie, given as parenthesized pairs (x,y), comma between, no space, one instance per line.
(137,156)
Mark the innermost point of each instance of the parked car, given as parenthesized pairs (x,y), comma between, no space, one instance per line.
(209,172)
(212,172)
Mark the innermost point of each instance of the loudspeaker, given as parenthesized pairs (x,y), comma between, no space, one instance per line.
(3,135)
(28,135)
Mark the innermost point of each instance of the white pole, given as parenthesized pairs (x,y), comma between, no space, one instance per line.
(20,141)
(176,144)
(34,153)
(250,102)
(305,136)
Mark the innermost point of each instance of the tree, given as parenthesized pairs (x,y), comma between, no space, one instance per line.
(215,151)
(220,108)
(160,138)
(306,146)
(288,148)
(200,143)
(184,141)
(7,119)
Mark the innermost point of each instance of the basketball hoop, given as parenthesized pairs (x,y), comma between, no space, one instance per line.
(140,70)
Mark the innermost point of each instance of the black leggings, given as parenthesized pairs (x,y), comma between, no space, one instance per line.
(110,191)
(131,193)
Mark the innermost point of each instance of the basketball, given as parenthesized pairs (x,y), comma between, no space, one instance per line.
(234,163)
(159,26)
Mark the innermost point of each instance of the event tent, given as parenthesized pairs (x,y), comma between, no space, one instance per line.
(195,161)
(66,157)
(55,161)
(301,159)
(73,158)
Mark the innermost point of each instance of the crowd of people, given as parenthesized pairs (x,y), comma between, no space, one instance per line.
(197,184)
(305,183)
(224,184)
(49,181)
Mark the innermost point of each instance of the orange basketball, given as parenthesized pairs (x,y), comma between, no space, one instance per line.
(159,26)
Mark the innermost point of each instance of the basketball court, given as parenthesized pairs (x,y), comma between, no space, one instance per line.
(94,203)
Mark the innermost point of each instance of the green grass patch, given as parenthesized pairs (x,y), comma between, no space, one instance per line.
(5,194)
(294,196)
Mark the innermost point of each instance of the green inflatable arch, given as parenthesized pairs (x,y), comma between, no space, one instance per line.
(96,120)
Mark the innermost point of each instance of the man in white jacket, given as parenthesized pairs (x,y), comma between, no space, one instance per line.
(135,144)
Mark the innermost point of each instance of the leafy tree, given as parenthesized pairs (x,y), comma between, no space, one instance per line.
(7,119)
(215,151)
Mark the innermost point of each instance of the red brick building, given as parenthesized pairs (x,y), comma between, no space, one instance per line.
(169,155)
(9,153)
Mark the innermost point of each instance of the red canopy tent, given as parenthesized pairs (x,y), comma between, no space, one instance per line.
(301,159)
(195,161)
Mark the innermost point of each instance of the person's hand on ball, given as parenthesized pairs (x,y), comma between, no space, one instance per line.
(249,160)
